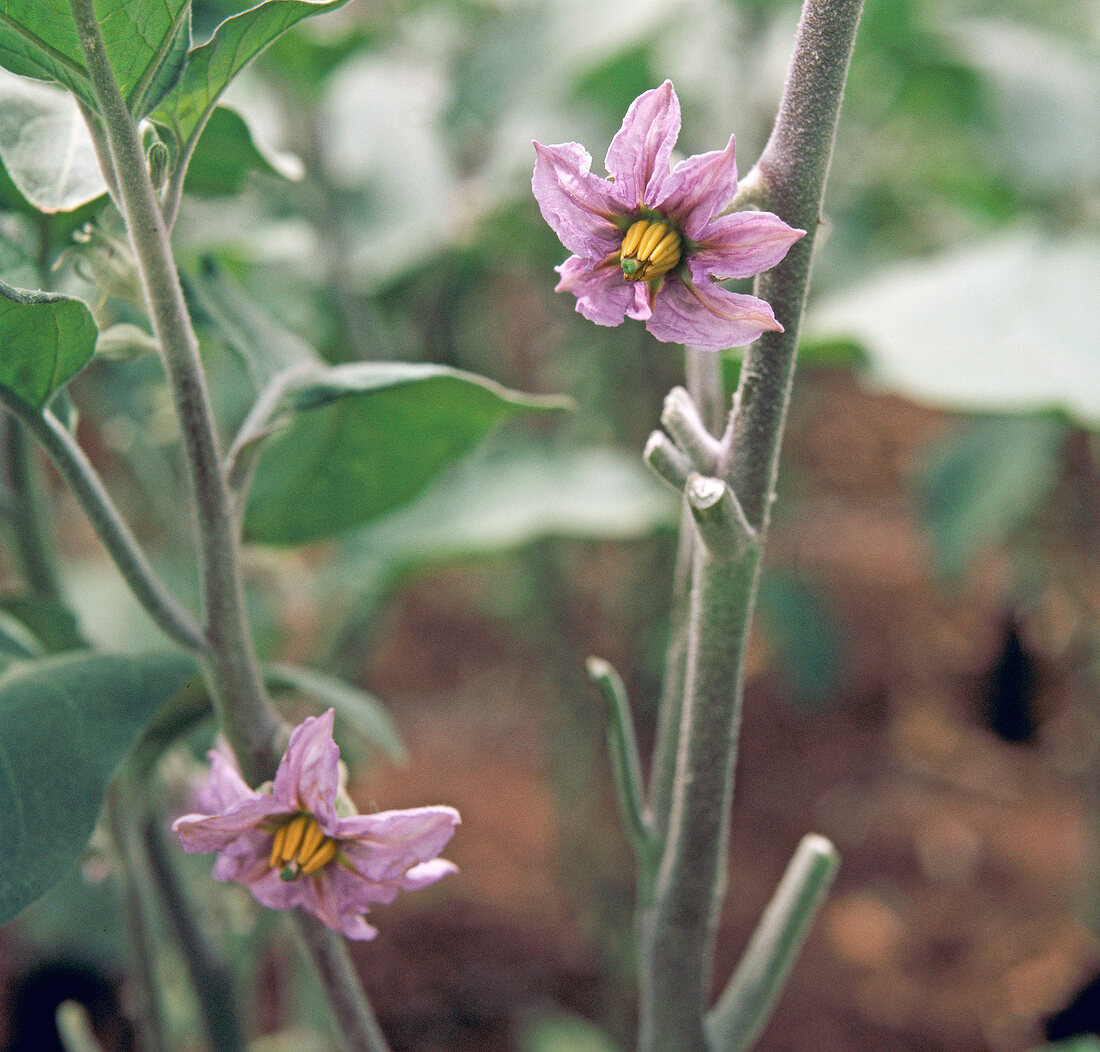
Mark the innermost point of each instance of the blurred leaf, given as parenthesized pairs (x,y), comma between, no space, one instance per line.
(1007,326)
(805,635)
(368,439)
(46,339)
(564,1033)
(227,154)
(17,642)
(146,43)
(362,711)
(65,725)
(45,145)
(213,65)
(265,347)
(507,498)
(985,482)
(51,623)
(1044,97)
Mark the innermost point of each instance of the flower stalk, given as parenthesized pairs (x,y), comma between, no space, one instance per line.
(230,666)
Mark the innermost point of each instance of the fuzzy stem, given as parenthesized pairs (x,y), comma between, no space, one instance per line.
(231,668)
(245,713)
(358,1025)
(754,988)
(679,908)
(624,757)
(211,977)
(75,468)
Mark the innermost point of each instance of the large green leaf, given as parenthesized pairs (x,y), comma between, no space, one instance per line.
(227,154)
(65,725)
(45,145)
(45,340)
(367,439)
(1006,326)
(146,42)
(211,66)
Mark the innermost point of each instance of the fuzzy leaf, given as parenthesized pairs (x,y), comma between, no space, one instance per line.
(213,65)
(45,145)
(65,725)
(367,439)
(146,43)
(46,340)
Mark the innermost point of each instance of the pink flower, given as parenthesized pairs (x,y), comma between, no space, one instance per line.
(646,242)
(289,846)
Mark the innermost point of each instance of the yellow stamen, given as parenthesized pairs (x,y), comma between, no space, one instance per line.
(277,847)
(634,236)
(310,843)
(295,830)
(325,854)
(649,250)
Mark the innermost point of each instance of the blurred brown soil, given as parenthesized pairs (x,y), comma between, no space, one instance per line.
(958,921)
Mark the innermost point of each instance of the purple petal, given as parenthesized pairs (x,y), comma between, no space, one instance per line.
(309,773)
(339,900)
(639,154)
(205,833)
(603,294)
(384,846)
(708,316)
(698,189)
(642,307)
(427,873)
(740,245)
(225,788)
(578,205)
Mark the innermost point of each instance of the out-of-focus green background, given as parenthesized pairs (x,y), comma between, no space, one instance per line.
(924,677)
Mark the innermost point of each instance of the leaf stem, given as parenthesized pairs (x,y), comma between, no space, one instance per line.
(75,468)
(211,977)
(747,1002)
(345,992)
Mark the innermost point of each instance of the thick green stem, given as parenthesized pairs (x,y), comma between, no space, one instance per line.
(246,715)
(697,741)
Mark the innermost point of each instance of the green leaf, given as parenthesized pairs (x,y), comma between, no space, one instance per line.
(507,498)
(45,340)
(65,725)
(227,154)
(213,65)
(51,623)
(46,147)
(146,44)
(373,437)
(985,482)
(362,711)
(264,347)
(1008,326)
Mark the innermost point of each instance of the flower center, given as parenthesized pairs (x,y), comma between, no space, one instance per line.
(300,848)
(650,248)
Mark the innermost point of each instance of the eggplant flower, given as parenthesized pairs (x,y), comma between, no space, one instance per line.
(648,242)
(289,846)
